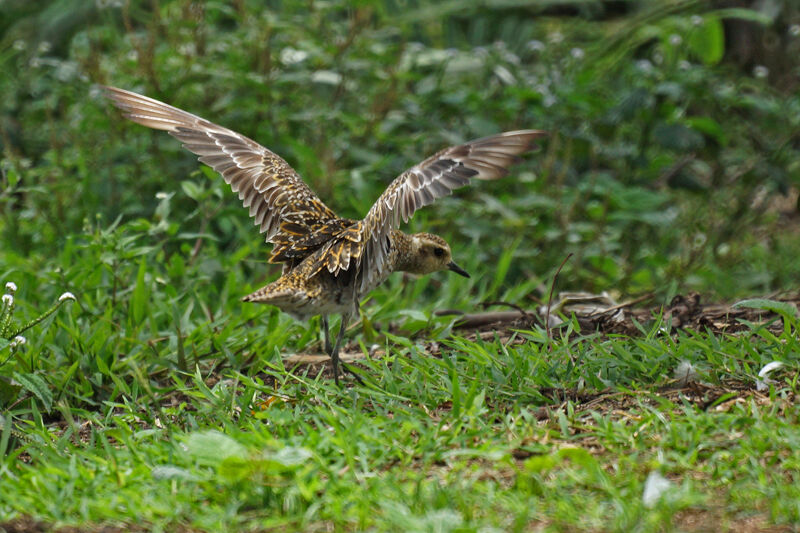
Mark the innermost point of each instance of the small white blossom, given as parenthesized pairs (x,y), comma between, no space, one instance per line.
(675,39)
(699,239)
(8,300)
(577,53)
(644,65)
(45,47)
(20,45)
(11,287)
(161,196)
(35,62)
(696,20)
(20,340)
(684,65)
(760,71)
(556,37)
(654,488)
(794,30)
(66,296)
(328,77)
(291,56)
(535,46)
(132,55)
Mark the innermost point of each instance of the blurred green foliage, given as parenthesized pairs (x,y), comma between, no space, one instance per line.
(663,166)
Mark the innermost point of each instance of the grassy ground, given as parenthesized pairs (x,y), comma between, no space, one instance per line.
(157,400)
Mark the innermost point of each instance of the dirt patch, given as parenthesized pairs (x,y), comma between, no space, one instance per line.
(26,524)
(714,520)
(600,314)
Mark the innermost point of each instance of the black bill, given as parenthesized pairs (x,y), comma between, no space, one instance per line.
(457,269)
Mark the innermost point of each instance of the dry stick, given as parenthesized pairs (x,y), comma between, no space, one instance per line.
(507,304)
(629,303)
(550,299)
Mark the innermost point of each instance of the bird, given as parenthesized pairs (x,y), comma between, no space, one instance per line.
(330,263)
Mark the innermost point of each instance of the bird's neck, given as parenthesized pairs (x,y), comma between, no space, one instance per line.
(404,252)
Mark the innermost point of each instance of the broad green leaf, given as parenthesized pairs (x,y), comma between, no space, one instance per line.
(213,447)
(750,15)
(235,468)
(291,456)
(782,308)
(192,190)
(36,385)
(710,127)
(677,137)
(141,294)
(171,472)
(707,41)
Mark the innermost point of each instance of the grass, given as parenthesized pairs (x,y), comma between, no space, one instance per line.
(175,410)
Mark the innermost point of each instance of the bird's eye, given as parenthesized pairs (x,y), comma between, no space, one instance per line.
(438,252)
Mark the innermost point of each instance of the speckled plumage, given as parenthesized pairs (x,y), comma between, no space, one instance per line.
(330,263)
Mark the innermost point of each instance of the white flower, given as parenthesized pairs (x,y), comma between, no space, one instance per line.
(654,488)
(161,196)
(760,71)
(11,287)
(45,47)
(19,340)
(577,53)
(556,37)
(675,39)
(644,65)
(19,45)
(8,300)
(187,49)
(328,77)
(699,240)
(66,296)
(292,56)
(535,46)
(794,30)
(696,20)
(684,65)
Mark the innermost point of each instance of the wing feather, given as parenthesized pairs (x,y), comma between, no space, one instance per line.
(437,176)
(266,184)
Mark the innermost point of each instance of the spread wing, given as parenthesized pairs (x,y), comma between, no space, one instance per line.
(283,206)
(366,243)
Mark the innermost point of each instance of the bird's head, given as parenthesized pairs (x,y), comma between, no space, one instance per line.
(431,253)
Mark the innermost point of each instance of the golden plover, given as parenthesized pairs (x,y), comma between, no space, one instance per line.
(330,263)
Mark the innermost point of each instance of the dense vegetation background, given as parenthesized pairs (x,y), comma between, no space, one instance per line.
(672,166)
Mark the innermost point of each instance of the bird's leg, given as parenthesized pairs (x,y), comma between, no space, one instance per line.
(335,352)
(327,335)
